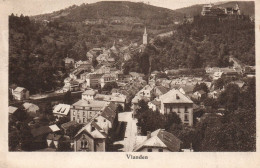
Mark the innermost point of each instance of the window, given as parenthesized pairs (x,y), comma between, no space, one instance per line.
(149,150)
(186,117)
(74,113)
(83,113)
(73,118)
(160,150)
(104,120)
(84,142)
(83,120)
(186,109)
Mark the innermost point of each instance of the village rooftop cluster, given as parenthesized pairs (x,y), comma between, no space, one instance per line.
(101,119)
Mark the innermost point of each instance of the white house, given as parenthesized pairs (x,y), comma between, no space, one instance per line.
(88,94)
(175,101)
(20,93)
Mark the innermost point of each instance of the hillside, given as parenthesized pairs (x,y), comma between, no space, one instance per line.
(246,7)
(126,12)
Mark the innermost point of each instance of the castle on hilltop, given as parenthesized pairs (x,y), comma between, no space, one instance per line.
(210,10)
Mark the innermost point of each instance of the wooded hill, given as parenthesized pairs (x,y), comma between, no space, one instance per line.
(126,12)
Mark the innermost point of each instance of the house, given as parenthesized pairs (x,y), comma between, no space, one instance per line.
(93,80)
(229,73)
(69,61)
(159,141)
(200,94)
(54,139)
(88,94)
(40,134)
(12,110)
(117,98)
(90,56)
(76,74)
(84,110)
(61,110)
(186,89)
(74,86)
(31,109)
(154,105)
(135,75)
(249,71)
(175,101)
(79,63)
(108,119)
(214,94)
(159,90)
(20,93)
(166,83)
(146,92)
(90,138)
(240,84)
(106,78)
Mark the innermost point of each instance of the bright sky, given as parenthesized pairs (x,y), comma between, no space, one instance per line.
(34,7)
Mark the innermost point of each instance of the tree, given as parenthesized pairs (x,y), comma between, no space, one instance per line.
(20,114)
(201,86)
(148,120)
(13,139)
(63,145)
(94,62)
(63,120)
(109,86)
(219,84)
(120,108)
(172,118)
(230,98)
(26,137)
(72,130)
(67,98)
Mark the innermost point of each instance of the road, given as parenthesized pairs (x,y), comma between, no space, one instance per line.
(130,132)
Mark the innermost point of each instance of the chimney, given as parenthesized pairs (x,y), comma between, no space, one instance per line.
(149,134)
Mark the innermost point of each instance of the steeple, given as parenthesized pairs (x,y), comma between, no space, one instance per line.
(145,36)
(145,31)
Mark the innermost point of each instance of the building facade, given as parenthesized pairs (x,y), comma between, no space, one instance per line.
(175,101)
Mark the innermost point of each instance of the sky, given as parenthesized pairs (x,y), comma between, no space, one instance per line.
(35,7)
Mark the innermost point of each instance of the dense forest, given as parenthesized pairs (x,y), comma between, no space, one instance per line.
(37,51)
(205,42)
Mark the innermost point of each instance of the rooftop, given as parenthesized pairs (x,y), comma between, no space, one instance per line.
(62,109)
(93,130)
(163,139)
(175,96)
(97,105)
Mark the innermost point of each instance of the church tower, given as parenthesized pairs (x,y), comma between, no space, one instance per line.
(145,36)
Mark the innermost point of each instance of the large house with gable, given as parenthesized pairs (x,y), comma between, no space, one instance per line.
(175,101)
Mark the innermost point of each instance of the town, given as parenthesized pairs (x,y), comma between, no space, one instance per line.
(102,106)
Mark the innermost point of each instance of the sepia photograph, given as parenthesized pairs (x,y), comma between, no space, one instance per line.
(131,76)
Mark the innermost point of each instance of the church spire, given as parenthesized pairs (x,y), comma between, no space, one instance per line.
(145,36)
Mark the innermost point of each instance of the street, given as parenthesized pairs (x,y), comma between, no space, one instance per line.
(130,131)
